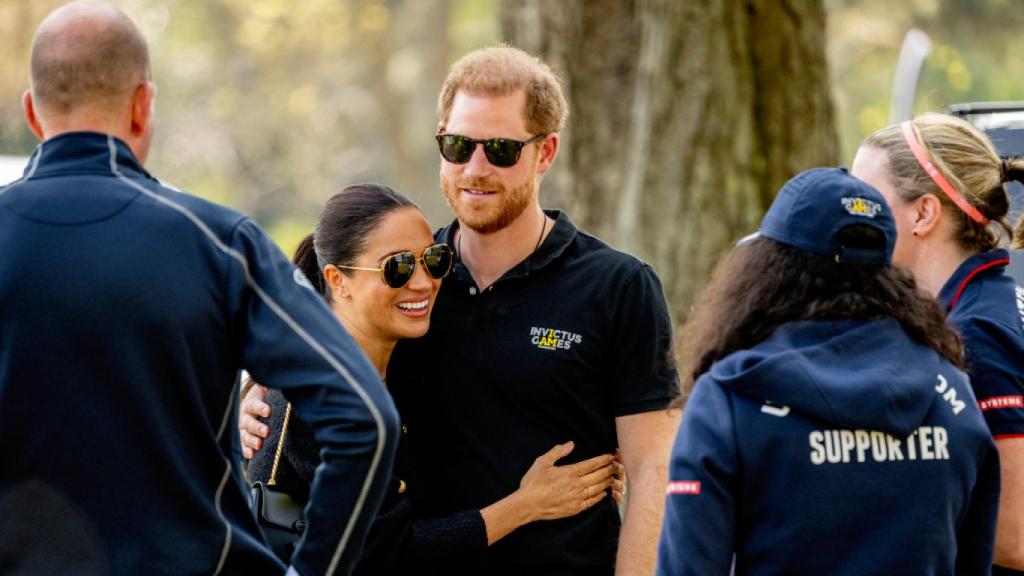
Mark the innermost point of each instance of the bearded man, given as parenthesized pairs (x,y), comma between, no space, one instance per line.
(540,335)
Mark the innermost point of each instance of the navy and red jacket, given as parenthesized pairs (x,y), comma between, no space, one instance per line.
(986,305)
(840,448)
(126,311)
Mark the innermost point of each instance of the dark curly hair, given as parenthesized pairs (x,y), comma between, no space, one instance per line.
(763,284)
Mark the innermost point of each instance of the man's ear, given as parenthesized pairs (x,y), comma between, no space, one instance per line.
(29,107)
(142,109)
(336,281)
(548,149)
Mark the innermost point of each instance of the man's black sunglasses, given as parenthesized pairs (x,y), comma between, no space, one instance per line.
(501,152)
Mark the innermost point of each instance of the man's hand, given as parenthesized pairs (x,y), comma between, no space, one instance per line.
(251,430)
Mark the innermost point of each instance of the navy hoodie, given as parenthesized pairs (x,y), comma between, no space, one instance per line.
(840,448)
(126,311)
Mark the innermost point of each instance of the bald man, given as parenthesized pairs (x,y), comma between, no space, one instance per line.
(127,310)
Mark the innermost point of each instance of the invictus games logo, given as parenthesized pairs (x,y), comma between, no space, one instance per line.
(861,207)
(551,339)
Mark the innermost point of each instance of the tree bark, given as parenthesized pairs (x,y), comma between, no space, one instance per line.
(686,118)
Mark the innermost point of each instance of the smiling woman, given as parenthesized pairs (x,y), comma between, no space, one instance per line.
(374,261)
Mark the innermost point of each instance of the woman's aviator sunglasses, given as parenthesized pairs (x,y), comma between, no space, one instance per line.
(501,152)
(397,269)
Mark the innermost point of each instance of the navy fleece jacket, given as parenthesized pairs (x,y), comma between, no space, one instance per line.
(126,311)
(831,448)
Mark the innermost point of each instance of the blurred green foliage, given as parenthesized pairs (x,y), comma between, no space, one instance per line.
(975,56)
(270,106)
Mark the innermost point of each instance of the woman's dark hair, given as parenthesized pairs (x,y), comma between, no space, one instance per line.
(764,284)
(348,218)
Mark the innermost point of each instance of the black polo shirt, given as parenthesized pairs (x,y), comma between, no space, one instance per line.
(572,337)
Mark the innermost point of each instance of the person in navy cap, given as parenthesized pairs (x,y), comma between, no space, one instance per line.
(828,427)
(945,183)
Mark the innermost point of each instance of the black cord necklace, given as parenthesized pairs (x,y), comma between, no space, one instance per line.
(543,229)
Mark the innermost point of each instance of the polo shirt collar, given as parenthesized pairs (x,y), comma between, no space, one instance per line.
(561,236)
(991,263)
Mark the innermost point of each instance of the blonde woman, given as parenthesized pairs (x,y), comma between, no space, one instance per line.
(945,183)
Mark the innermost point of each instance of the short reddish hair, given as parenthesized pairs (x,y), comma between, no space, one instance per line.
(502,70)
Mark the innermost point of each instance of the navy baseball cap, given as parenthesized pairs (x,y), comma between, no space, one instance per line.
(815,205)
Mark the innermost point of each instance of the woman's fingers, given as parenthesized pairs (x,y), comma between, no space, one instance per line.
(595,486)
(602,485)
(618,489)
(247,420)
(589,501)
(587,466)
(255,407)
(250,430)
(252,427)
(618,479)
(555,454)
(597,476)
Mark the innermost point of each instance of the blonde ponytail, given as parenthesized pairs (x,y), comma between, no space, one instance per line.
(967,159)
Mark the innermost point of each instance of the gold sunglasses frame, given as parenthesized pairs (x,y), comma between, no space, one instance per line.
(451,264)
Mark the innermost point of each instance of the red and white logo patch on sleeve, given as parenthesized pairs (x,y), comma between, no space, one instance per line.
(998,402)
(683,487)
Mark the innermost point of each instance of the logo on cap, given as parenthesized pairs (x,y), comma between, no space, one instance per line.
(861,207)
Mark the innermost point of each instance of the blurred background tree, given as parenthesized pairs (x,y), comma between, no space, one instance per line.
(680,131)
(686,115)
(270,106)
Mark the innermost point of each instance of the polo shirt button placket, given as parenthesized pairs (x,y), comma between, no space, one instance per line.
(472,290)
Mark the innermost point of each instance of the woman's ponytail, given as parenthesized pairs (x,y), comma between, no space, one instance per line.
(305,259)
(1013,171)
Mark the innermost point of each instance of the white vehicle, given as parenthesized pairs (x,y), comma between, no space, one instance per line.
(11,168)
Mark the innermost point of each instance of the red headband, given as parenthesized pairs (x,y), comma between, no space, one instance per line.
(937,177)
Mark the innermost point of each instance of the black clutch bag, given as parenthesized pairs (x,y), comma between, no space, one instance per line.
(279,514)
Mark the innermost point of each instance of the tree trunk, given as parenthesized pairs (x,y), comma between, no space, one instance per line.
(686,117)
